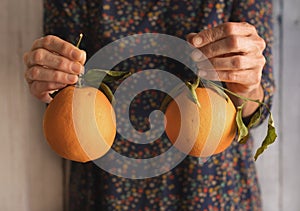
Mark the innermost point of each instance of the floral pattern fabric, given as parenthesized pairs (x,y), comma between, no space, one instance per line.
(227,181)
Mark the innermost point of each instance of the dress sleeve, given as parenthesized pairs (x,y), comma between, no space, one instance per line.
(259,14)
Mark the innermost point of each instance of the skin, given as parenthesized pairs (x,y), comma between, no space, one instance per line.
(234,49)
(52,64)
(236,52)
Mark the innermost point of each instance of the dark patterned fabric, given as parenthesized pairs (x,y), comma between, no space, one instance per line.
(227,181)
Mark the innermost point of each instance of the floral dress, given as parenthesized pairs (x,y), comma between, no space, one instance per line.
(226,181)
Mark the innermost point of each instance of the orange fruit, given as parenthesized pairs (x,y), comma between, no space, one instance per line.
(79,124)
(205,130)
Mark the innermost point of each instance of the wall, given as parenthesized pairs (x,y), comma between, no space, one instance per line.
(278,168)
(30,174)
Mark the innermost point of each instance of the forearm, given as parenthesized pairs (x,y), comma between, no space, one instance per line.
(250,107)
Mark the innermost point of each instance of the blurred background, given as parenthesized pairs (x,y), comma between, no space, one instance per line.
(31,176)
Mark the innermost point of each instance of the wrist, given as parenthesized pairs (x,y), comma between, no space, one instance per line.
(250,107)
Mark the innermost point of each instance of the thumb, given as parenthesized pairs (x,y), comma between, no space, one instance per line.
(190,37)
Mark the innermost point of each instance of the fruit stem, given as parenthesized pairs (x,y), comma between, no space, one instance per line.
(240,96)
(79,41)
(234,94)
(192,87)
(79,83)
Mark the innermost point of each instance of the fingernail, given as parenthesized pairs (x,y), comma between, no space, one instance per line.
(72,78)
(76,67)
(76,54)
(83,53)
(189,36)
(197,40)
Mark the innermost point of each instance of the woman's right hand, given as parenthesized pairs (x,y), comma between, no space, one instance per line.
(52,64)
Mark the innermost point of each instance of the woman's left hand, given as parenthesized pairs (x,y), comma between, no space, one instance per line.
(235,50)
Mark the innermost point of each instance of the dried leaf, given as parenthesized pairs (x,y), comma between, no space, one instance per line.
(253,121)
(255,118)
(269,139)
(242,129)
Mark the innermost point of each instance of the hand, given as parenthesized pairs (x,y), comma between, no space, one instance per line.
(52,63)
(235,50)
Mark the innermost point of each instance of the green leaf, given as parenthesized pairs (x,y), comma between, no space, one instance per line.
(242,129)
(192,94)
(269,139)
(255,118)
(108,93)
(253,121)
(94,77)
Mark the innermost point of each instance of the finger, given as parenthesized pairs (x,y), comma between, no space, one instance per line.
(245,77)
(189,37)
(43,57)
(61,47)
(235,62)
(45,97)
(221,31)
(25,58)
(234,44)
(39,73)
(41,89)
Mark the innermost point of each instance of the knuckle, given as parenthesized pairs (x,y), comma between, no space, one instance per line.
(33,73)
(60,63)
(37,43)
(262,42)
(47,40)
(250,26)
(37,56)
(233,42)
(228,28)
(56,76)
(64,47)
(237,62)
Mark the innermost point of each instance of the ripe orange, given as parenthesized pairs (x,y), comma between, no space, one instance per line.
(206,130)
(79,124)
